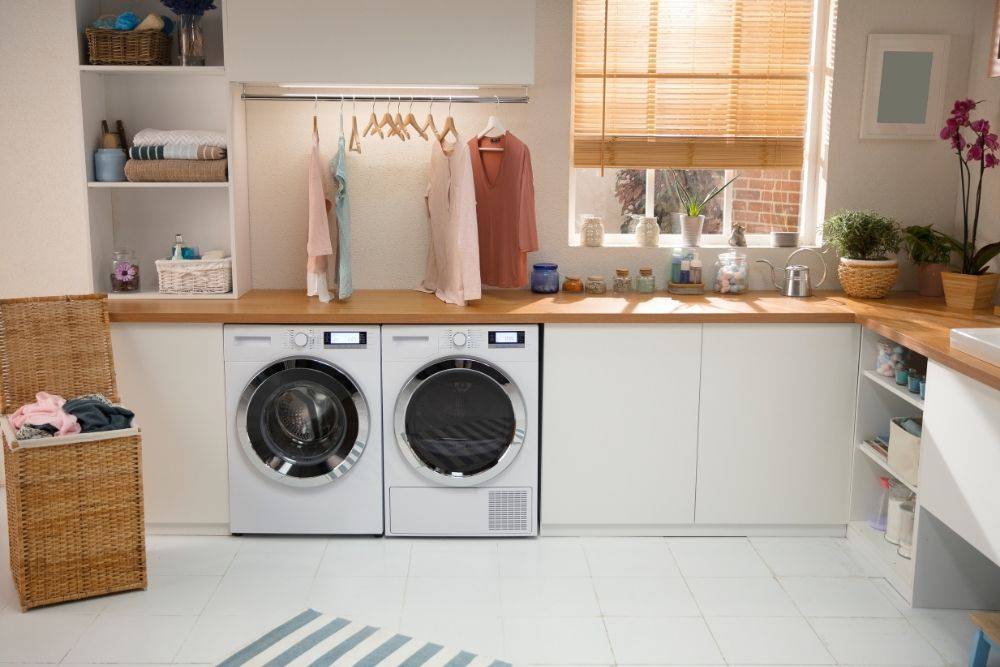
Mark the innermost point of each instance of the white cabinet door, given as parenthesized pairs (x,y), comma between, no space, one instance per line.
(384,42)
(173,377)
(776,423)
(619,424)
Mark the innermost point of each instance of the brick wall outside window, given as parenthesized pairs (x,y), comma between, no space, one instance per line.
(767,201)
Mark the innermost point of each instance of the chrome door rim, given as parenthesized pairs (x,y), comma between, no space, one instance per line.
(334,471)
(469,364)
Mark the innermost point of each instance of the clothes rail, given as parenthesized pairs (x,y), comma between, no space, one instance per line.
(456,99)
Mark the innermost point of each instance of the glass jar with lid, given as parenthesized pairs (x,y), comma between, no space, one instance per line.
(592,231)
(646,282)
(596,285)
(572,284)
(647,232)
(732,273)
(622,282)
(545,278)
(124,271)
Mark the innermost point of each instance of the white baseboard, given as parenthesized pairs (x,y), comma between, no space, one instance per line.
(692,530)
(187,529)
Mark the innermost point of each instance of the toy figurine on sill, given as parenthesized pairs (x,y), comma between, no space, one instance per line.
(739,237)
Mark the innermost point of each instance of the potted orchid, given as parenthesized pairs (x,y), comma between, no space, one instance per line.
(974,286)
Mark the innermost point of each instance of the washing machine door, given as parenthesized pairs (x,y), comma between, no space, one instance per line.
(460,421)
(302,422)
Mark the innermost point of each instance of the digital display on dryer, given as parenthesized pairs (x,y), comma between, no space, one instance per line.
(345,338)
(506,339)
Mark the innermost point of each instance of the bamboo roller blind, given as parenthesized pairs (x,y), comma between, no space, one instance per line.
(690,83)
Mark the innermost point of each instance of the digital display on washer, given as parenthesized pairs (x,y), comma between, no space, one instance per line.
(345,338)
(506,339)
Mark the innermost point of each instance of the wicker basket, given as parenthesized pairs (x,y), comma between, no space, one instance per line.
(127,47)
(195,276)
(867,280)
(74,504)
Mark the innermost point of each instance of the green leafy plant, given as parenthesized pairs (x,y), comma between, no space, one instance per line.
(694,204)
(926,245)
(862,235)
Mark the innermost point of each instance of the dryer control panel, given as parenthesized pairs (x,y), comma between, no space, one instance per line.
(462,339)
(312,339)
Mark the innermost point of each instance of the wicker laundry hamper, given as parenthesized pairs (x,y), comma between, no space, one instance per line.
(74,504)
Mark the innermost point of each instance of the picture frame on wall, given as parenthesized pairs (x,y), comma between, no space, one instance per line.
(903,95)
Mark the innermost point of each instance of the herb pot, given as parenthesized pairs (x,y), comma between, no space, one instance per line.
(867,278)
(691,226)
(969,292)
(929,279)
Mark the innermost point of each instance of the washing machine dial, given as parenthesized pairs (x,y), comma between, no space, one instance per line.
(459,339)
(300,339)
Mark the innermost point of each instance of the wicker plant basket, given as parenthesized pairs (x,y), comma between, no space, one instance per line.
(127,47)
(867,280)
(195,276)
(74,504)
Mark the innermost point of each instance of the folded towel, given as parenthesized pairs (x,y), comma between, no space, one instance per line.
(178,152)
(187,171)
(150,137)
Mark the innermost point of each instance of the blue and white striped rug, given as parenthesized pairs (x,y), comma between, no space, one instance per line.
(312,638)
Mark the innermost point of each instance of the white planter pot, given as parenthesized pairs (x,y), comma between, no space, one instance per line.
(691,226)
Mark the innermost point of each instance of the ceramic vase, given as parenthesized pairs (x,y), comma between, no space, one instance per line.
(647,233)
(929,279)
(592,231)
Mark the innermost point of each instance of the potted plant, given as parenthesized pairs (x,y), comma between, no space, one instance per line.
(864,240)
(931,251)
(692,219)
(975,285)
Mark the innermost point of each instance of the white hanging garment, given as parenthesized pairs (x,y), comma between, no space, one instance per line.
(319,246)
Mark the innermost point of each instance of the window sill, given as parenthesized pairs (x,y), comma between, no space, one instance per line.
(670,245)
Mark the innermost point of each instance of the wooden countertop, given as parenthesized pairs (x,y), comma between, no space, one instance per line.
(920,324)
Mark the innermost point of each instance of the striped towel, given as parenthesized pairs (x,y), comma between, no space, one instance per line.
(315,639)
(150,137)
(178,152)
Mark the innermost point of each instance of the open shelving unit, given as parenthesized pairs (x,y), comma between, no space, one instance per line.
(144,217)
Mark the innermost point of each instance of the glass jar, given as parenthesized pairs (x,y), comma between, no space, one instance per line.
(545,278)
(124,271)
(879,512)
(647,232)
(646,282)
(109,164)
(592,231)
(596,285)
(573,284)
(623,282)
(732,273)
(884,362)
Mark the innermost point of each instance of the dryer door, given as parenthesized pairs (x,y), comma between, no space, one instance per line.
(302,422)
(460,421)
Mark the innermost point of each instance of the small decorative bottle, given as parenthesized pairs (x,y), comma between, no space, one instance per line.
(596,285)
(124,271)
(696,269)
(623,282)
(646,282)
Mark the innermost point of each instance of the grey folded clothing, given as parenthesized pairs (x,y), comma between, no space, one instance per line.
(95,413)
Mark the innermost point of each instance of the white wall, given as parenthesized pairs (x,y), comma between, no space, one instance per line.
(44,237)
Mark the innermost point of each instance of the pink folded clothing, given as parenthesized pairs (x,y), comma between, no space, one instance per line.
(47,409)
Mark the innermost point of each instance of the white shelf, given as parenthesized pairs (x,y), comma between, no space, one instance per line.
(871,453)
(883,555)
(130,185)
(153,295)
(208,70)
(891,386)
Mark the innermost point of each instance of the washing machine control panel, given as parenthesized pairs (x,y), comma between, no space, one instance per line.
(311,339)
(462,339)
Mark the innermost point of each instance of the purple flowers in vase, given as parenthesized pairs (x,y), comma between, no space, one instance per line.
(190,40)
(124,276)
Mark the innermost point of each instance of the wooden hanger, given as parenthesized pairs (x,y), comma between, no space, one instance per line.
(449,126)
(400,123)
(315,112)
(411,121)
(429,121)
(373,127)
(354,143)
(387,121)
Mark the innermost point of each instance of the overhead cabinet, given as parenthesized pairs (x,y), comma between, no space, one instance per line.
(381,42)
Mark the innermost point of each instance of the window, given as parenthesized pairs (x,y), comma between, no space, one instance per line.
(700,91)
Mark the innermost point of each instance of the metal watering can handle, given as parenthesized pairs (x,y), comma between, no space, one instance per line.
(776,285)
(821,261)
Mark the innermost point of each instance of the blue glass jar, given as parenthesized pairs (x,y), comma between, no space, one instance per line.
(109,164)
(545,278)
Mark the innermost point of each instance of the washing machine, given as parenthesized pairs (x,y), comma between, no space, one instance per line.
(305,436)
(461,430)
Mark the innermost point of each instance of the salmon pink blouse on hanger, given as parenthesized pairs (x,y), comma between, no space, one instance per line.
(505,208)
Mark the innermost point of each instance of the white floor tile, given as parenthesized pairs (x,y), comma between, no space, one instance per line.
(445,595)
(717,557)
(806,557)
(644,596)
(29,637)
(365,557)
(268,560)
(178,595)
(482,635)
(875,641)
(833,597)
(629,557)
(243,594)
(769,641)
(132,639)
(182,554)
(548,596)
(454,558)
(373,600)
(88,607)
(561,641)
(662,641)
(215,638)
(741,596)
(544,557)
(950,632)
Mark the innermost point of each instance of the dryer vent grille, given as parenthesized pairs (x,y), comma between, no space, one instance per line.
(509,511)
